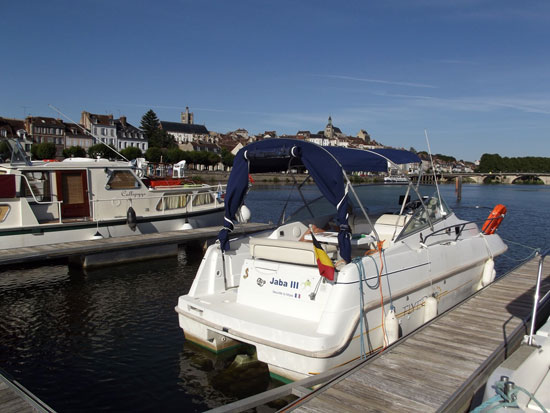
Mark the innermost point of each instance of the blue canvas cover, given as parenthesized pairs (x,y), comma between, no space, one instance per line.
(374,160)
(327,166)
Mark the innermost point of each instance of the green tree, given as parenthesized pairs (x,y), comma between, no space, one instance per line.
(153,154)
(45,150)
(131,153)
(149,123)
(174,155)
(490,163)
(74,152)
(227,157)
(213,158)
(102,150)
(162,139)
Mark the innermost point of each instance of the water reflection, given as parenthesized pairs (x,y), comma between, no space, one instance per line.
(109,339)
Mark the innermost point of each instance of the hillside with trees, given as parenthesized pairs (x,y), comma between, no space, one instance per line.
(495,163)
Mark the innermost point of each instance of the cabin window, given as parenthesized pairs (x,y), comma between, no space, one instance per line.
(203,199)
(122,180)
(4,211)
(37,183)
(173,202)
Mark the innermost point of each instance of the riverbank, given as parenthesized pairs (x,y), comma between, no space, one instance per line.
(214,177)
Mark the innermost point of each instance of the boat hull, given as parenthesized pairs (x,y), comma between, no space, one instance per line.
(48,234)
(295,344)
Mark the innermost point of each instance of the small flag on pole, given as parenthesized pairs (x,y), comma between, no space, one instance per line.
(326,267)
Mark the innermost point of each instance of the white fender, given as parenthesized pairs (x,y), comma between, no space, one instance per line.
(243,214)
(488,273)
(392,327)
(186,225)
(430,309)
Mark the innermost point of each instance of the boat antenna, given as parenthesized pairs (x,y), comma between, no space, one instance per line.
(87,132)
(433,170)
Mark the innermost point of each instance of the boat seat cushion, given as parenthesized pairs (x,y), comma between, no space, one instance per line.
(294,252)
(389,226)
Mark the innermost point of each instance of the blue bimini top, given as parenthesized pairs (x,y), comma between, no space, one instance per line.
(327,166)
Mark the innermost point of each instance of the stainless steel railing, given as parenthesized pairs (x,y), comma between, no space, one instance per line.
(536,300)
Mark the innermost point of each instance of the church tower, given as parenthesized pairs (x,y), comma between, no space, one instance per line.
(329,129)
(186,117)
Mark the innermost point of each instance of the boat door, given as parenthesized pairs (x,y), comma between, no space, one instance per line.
(72,189)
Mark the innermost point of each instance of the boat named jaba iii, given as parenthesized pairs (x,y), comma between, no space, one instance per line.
(382,260)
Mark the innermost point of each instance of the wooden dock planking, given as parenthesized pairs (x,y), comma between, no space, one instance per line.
(422,372)
(67,249)
(14,398)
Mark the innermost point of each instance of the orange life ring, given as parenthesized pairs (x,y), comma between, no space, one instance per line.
(494,219)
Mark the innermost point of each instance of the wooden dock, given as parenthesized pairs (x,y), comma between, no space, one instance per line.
(442,365)
(118,244)
(14,398)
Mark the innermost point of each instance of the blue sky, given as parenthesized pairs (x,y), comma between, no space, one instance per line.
(474,73)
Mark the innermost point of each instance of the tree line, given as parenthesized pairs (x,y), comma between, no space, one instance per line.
(496,163)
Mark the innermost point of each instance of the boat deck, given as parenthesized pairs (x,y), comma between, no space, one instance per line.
(443,364)
(62,250)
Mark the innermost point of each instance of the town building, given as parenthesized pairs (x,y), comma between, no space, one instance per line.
(129,136)
(102,127)
(201,147)
(186,131)
(46,130)
(75,135)
(9,129)
(331,132)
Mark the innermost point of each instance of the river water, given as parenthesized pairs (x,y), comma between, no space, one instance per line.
(108,340)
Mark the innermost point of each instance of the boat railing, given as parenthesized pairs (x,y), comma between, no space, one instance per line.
(457,228)
(42,202)
(536,301)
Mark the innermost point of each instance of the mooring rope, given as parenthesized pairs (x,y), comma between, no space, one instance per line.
(505,399)
(358,261)
(534,251)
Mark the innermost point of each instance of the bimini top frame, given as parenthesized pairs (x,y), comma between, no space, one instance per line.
(327,166)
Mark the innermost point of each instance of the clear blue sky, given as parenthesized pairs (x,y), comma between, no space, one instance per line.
(474,73)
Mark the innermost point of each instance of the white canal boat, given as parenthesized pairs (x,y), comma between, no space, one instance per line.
(385,272)
(43,203)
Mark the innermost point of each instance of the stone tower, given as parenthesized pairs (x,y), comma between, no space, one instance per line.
(187,117)
(329,129)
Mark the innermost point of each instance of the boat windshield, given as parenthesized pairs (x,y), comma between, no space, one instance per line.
(431,211)
(380,199)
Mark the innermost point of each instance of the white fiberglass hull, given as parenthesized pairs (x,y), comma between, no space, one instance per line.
(302,325)
(48,234)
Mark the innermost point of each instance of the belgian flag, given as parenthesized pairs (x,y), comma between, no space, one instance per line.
(326,267)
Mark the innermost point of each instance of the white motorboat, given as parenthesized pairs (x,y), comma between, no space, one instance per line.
(393,179)
(43,203)
(381,273)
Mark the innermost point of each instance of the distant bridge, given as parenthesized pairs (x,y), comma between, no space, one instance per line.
(479,178)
